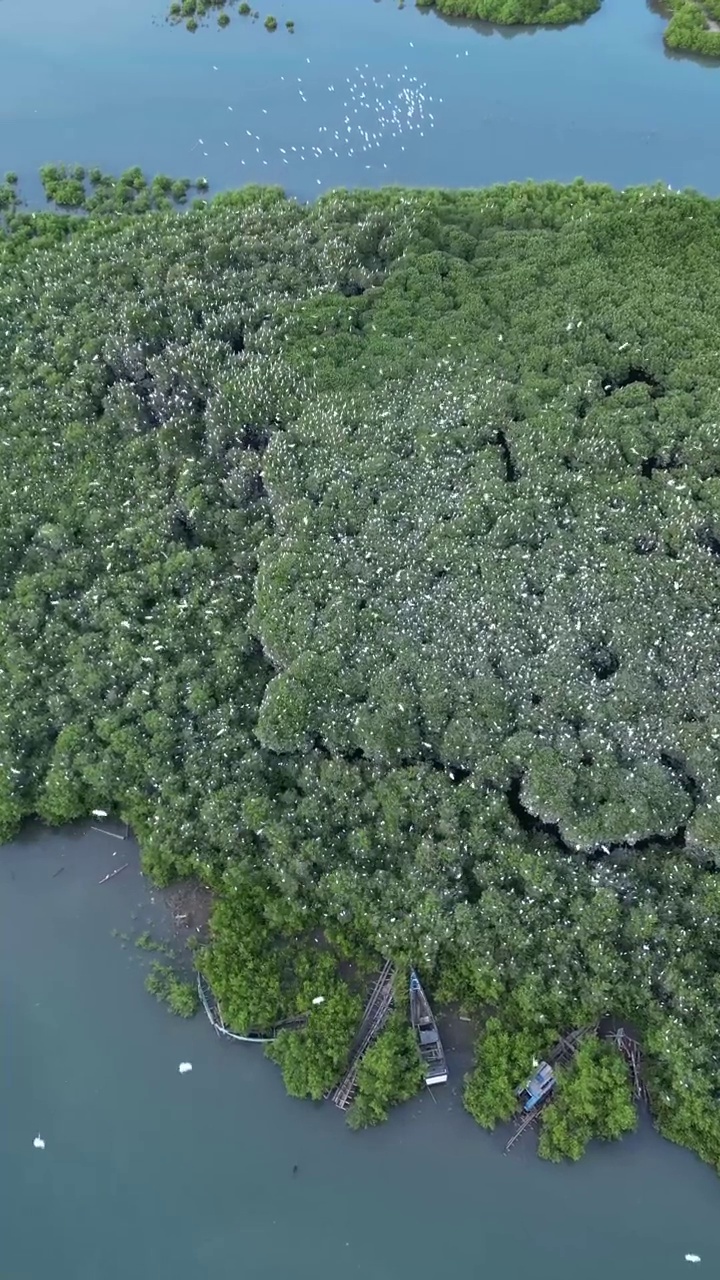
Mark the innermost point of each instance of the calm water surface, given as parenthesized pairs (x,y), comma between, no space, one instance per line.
(115,85)
(147,1173)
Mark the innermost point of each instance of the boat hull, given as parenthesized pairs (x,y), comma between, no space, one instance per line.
(426,1032)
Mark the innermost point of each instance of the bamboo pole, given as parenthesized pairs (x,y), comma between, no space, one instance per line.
(116,872)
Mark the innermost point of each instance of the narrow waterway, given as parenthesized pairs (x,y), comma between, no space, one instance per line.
(147,1172)
(119,86)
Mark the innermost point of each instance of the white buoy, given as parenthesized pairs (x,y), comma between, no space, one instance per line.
(39,1143)
(185,1067)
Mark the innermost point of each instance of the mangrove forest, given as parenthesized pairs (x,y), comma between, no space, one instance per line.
(364,556)
(693,26)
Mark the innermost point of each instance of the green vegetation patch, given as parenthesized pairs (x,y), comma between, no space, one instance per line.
(191,11)
(364,557)
(694,26)
(79,191)
(390,1072)
(469,569)
(592,1099)
(179,994)
(516,12)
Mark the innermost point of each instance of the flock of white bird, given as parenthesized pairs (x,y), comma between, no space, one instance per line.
(364,113)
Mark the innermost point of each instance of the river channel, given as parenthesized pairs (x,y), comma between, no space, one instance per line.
(149,1173)
(117,86)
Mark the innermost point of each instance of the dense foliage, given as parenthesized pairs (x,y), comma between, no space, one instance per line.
(191,12)
(515,12)
(365,558)
(592,1099)
(92,191)
(313,1058)
(390,1072)
(693,26)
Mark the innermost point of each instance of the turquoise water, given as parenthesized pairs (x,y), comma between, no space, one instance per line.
(117,86)
(150,1174)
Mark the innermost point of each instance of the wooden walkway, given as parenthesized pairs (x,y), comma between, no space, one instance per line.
(376,1012)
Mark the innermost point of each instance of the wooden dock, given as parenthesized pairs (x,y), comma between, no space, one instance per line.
(566,1048)
(528,1120)
(376,1012)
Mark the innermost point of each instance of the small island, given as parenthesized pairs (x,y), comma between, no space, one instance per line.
(191,13)
(693,25)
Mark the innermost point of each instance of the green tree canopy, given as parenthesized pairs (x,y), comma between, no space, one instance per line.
(364,556)
(592,1099)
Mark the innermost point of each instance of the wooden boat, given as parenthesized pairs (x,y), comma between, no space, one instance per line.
(428,1036)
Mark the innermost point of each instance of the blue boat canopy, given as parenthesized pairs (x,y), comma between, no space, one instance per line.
(538,1086)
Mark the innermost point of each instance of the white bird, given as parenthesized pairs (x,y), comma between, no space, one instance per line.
(39,1143)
